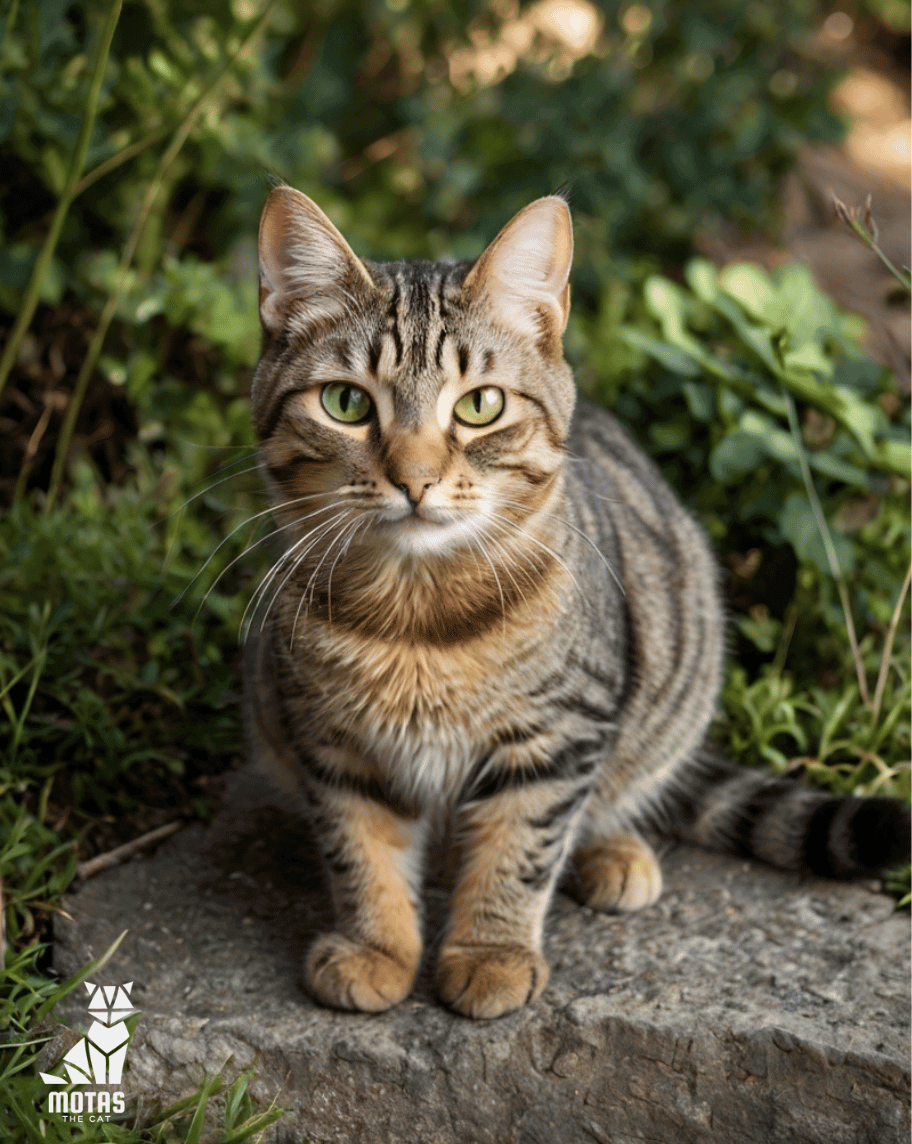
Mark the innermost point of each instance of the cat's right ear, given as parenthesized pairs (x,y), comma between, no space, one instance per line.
(524,273)
(307,270)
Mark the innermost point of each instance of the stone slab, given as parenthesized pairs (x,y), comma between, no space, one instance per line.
(746,1007)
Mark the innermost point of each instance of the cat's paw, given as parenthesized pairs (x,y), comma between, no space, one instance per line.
(488,981)
(343,974)
(617,873)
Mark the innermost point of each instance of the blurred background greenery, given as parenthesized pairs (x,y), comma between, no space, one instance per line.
(137,144)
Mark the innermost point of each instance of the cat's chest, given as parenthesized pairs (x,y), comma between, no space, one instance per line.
(421,713)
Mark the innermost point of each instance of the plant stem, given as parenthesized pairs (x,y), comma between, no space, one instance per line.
(888,648)
(122,156)
(868,234)
(95,346)
(42,262)
(828,546)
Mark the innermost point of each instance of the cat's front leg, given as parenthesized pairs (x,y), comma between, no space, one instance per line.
(513,844)
(372,851)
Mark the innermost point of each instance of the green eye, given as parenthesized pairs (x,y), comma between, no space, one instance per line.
(480,407)
(346,402)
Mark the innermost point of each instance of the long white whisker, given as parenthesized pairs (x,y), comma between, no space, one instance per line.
(579,532)
(312,580)
(250,548)
(292,559)
(541,544)
(288,554)
(321,530)
(506,562)
(249,520)
(210,487)
(503,606)
(348,543)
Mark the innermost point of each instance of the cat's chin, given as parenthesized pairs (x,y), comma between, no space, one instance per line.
(413,536)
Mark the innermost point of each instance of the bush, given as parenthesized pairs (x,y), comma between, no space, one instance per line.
(137,145)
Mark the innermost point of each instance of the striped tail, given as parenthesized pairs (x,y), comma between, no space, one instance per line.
(785,822)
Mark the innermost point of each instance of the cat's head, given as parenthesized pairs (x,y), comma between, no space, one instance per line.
(415,405)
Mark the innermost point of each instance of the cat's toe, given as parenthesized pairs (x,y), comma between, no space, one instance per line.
(344,974)
(488,981)
(617,873)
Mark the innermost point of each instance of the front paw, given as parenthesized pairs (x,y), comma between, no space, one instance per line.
(490,980)
(343,974)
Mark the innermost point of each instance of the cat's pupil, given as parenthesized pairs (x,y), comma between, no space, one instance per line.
(345,398)
(476,400)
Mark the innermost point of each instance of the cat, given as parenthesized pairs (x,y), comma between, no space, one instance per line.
(490,607)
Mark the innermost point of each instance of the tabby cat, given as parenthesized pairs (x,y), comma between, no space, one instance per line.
(489,609)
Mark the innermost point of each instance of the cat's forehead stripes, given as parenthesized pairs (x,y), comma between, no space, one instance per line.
(421,302)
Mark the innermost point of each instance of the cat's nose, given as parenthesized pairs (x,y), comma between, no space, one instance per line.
(415,488)
(414,462)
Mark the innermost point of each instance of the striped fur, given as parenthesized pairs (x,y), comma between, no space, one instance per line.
(512,627)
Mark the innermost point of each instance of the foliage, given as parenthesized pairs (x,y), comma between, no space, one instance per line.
(133,178)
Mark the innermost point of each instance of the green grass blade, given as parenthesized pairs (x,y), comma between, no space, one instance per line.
(83,975)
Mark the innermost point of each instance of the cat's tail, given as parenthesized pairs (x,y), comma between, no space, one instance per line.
(783,821)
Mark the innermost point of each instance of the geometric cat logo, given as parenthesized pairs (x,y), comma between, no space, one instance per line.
(99,1057)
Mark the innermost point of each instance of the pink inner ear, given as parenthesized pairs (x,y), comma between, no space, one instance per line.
(525,270)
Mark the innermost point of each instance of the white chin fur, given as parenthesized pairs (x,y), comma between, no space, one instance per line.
(414,537)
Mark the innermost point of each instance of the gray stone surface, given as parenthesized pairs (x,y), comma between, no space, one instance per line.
(747,1007)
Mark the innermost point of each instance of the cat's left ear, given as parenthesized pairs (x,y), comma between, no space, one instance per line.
(524,273)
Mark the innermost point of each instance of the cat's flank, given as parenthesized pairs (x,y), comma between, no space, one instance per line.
(488,609)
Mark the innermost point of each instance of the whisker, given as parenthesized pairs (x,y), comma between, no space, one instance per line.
(249,520)
(503,606)
(296,560)
(541,544)
(579,532)
(312,579)
(288,554)
(506,558)
(250,548)
(214,448)
(348,543)
(210,487)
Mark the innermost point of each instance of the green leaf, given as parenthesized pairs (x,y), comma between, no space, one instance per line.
(799,527)
(737,454)
(811,357)
(703,278)
(776,442)
(672,357)
(752,288)
(810,315)
(701,400)
(895,457)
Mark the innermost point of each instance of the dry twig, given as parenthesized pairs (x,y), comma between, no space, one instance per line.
(113,857)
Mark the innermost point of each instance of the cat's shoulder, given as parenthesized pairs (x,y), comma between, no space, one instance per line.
(597,435)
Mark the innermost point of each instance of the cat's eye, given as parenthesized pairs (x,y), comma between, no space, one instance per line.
(346,402)
(480,407)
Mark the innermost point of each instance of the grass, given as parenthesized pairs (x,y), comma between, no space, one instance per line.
(118,705)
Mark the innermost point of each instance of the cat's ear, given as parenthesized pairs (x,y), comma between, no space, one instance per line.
(307,269)
(524,273)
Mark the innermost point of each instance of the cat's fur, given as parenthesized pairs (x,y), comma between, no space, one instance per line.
(516,625)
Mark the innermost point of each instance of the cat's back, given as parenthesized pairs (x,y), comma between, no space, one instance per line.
(620,496)
(666,573)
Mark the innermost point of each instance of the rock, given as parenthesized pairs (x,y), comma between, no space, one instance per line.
(746,1007)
